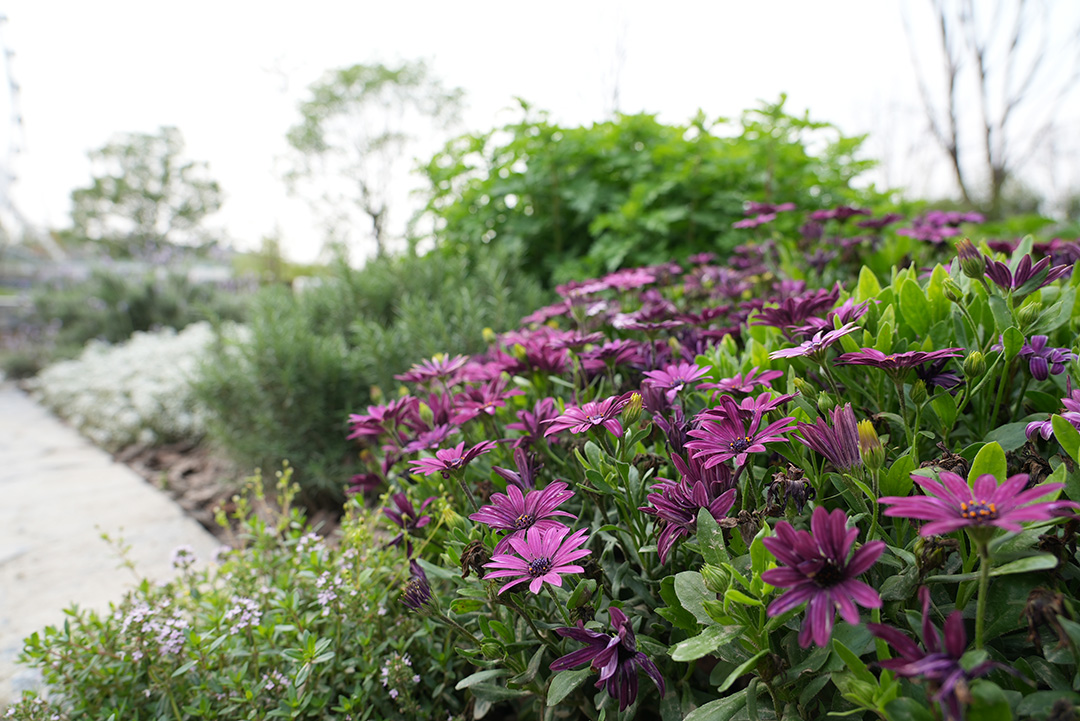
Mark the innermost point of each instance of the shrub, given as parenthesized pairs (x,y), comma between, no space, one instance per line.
(285,626)
(313,357)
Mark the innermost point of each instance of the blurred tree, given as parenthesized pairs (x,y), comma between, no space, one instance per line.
(144,195)
(354,130)
(1001,82)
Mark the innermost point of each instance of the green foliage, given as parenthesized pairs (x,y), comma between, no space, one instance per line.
(144,193)
(312,358)
(286,626)
(110,306)
(632,191)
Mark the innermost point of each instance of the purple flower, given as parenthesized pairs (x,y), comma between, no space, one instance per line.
(879,223)
(744,383)
(1043,361)
(417,592)
(408,518)
(817,571)
(1027,277)
(896,362)
(542,557)
(1070,412)
(816,346)
(439,367)
(730,437)
(951,504)
(842,212)
(674,378)
(676,504)
(614,656)
(526,470)
(380,419)
(755,221)
(451,460)
(934,375)
(484,399)
(939,664)
(514,512)
(839,443)
(531,423)
(592,414)
(794,312)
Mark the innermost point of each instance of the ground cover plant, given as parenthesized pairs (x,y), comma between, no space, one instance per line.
(833,473)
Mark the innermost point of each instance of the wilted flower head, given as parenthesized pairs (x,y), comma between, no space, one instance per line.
(676,503)
(407,517)
(839,443)
(516,512)
(951,504)
(1028,277)
(532,423)
(614,656)
(817,570)
(417,592)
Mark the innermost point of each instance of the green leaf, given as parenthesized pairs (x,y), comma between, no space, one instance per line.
(885,337)
(853,662)
(990,459)
(704,643)
(1040,703)
(914,307)
(1002,317)
(988,703)
(722,709)
(495,694)
(564,682)
(734,594)
(945,406)
(184,669)
(740,670)
(1010,436)
(759,555)
(711,539)
(1013,342)
(897,482)
(1067,436)
(690,588)
(907,709)
(1041,562)
(480,677)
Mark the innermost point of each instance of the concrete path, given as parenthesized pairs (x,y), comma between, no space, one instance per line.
(58,494)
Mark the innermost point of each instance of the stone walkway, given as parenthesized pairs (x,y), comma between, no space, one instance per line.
(58,494)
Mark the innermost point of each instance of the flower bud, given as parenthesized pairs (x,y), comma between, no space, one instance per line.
(803,387)
(952,290)
(426,414)
(717,579)
(1029,314)
(825,402)
(870,448)
(489,336)
(492,650)
(519,351)
(972,263)
(918,392)
(376,394)
(632,413)
(974,365)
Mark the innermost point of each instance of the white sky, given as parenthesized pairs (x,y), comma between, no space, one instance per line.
(229,74)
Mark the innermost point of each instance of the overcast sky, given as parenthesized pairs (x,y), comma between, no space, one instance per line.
(230,75)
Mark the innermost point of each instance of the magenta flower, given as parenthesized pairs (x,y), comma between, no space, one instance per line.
(730,437)
(542,557)
(1027,277)
(527,467)
(1044,361)
(951,504)
(532,423)
(744,383)
(794,312)
(417,592)
(676,504)
(939,664)
(483,399)
(592,414)
(451,460)
(815,347)
(674,378)
(896,362)
(514,512)
(380,419)
(1070,412)
(408,518)
(817,571)
(614,656)
(439,367)
(839,443)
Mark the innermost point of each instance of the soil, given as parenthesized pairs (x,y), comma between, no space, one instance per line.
(197,478)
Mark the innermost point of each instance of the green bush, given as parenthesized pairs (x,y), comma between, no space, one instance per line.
(287,626)
(583,201)
(286,389)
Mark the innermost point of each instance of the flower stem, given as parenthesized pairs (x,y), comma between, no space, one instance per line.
(984,583)
(468,494)
(1000,393)
(561,607)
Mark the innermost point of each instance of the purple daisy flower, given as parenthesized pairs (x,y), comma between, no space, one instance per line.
(1044,361)
(542,557)
(817,571)
(439,367)
(451,460)
(939,664)
(674,378)
(1070,412)
(590,415)
(514,512)
(531,423)
(951,504)
(527,468)
(408,518)
(614,656)
(838,443)
(896,362)
(417,592)
(816,346)
(380,419)
(730,437)
(676,504)
(744,383)
(1027,277)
